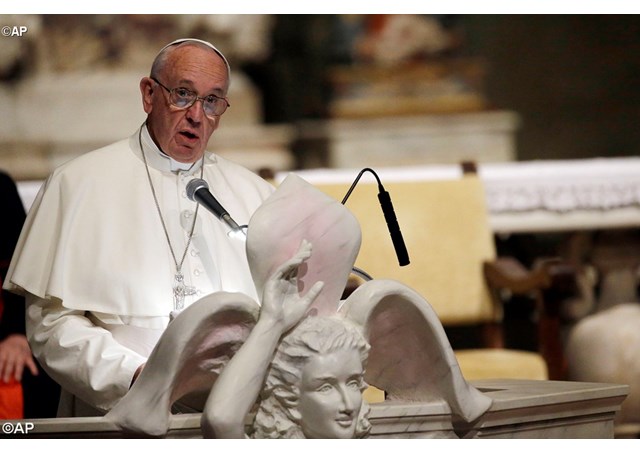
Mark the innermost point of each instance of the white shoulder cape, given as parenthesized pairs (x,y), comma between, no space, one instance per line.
(93,238)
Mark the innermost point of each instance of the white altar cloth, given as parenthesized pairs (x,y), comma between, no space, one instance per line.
(529,196)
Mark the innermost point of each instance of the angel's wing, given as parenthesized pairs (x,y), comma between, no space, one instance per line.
(411,357)
(186,361)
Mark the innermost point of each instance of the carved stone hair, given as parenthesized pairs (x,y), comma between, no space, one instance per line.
(277,415)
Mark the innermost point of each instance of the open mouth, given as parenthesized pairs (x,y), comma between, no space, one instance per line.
(189,135)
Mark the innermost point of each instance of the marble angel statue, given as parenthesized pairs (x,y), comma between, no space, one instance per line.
(297,361)
(309,373)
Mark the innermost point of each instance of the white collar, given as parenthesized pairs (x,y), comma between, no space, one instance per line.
(159,160)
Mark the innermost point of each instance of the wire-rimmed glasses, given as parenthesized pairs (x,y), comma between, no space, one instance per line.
(183,98)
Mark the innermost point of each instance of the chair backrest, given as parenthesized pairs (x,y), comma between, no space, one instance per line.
(446,229)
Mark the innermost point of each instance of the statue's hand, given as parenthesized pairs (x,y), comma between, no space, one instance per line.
(281,301)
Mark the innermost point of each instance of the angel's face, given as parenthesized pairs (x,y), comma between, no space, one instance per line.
(331,395)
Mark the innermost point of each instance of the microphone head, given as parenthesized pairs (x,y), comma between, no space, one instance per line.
(194,185)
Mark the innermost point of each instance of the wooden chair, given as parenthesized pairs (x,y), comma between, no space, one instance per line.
(445,225)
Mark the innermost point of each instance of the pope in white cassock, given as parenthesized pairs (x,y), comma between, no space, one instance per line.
(112,244)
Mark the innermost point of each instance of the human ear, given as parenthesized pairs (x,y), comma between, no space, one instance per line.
(146,90)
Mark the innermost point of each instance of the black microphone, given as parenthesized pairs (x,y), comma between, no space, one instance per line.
(198,191)
(389,216)
(392,225)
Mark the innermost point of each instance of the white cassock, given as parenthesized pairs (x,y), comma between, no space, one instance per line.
(94,262)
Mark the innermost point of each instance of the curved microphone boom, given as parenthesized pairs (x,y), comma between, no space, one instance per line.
(389,216)
(198,191)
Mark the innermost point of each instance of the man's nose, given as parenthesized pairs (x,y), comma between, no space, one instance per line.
(196,113)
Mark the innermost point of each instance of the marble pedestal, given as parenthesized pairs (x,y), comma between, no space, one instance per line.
(521,409)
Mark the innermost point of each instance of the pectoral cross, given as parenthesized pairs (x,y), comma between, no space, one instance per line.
(180,290)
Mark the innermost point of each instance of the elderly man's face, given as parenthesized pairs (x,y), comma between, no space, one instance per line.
(183,134)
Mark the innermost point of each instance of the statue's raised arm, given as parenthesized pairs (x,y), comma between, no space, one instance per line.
(239,384)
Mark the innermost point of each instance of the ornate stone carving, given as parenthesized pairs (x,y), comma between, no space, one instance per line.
(304,354)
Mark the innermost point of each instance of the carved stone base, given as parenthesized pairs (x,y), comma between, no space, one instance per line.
(521,410)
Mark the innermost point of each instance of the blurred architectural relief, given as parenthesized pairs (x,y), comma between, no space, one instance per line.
(403,65)
(405,92)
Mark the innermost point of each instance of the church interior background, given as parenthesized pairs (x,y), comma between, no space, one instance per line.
(553,99)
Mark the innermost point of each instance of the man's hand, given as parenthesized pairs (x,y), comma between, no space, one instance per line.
(15,355)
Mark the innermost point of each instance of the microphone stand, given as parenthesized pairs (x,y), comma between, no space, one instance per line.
(392,222)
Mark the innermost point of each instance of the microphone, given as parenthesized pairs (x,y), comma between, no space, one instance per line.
(392,225)
(198,191)
(389,216)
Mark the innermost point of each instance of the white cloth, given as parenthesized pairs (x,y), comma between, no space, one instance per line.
(93,257)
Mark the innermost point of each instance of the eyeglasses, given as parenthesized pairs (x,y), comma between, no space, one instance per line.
(184,98)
